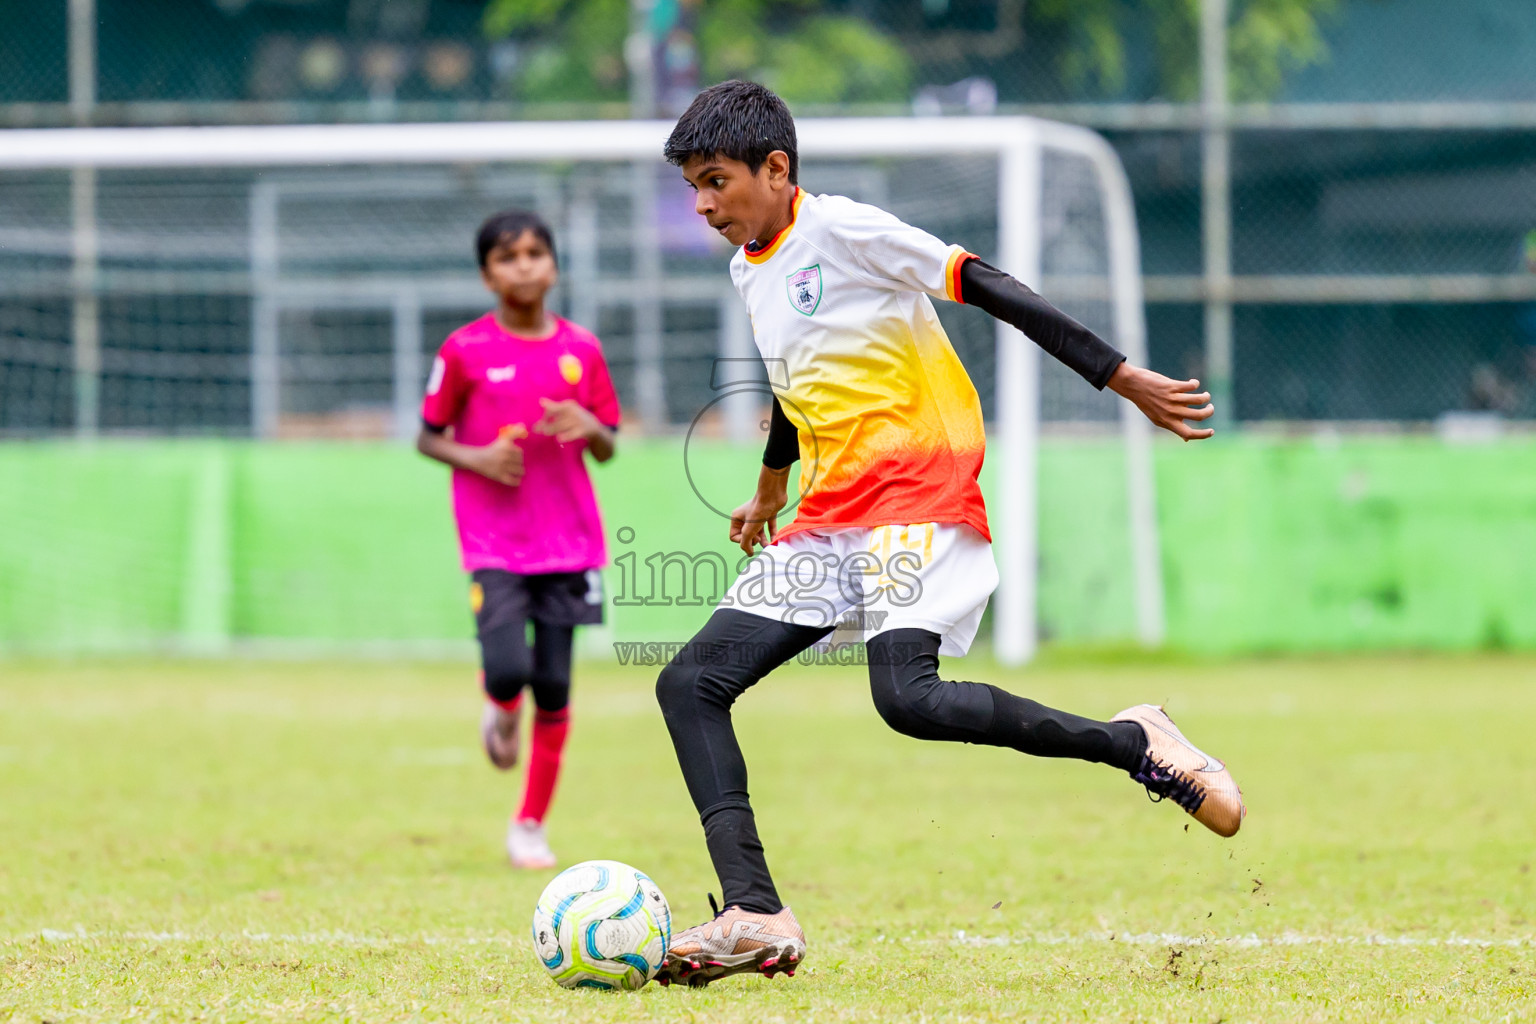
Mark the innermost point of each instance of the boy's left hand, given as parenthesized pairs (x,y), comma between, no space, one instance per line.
(567,420)
(1165,401)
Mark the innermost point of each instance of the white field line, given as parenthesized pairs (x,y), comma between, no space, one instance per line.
(1249,941)
(959,938)
(286,938)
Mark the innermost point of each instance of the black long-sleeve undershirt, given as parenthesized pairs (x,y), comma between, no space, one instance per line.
(1011,301)
(783,446)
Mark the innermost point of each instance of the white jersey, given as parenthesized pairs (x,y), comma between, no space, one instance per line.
(890,423)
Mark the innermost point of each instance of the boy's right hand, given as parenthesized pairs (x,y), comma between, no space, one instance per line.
(757,521)
(749,521)
(502,459)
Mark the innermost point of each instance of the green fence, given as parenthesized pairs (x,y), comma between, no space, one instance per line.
(1267,545)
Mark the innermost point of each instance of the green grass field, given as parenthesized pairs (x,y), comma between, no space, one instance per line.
(188,841)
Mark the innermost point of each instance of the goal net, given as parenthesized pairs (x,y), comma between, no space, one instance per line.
(278,287)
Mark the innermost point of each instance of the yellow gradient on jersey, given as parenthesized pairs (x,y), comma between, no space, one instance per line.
(898,430)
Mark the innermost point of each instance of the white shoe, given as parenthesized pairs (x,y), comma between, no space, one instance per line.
(527,846)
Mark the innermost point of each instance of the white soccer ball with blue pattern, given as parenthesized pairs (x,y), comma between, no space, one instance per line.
(602,924)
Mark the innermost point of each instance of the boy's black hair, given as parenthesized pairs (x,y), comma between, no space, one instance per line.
(509,225)
(739,120)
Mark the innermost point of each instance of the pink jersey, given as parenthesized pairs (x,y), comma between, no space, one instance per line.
(486,379)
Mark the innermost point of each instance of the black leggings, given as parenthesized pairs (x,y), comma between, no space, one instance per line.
(511,664)
(735,649)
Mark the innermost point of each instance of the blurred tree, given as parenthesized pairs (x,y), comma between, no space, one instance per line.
(1266,39)
(569,50)
(573,49)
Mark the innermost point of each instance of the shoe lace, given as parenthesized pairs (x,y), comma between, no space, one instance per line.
(1164,782)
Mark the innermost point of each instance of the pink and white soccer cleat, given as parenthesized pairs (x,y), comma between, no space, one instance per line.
(736,942)
(1175,769)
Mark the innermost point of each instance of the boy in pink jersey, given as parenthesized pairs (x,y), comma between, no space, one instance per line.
(514,400)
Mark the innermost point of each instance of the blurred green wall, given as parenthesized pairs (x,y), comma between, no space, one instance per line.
(1267,545)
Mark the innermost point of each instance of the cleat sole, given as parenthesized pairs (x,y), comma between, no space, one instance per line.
(776,965)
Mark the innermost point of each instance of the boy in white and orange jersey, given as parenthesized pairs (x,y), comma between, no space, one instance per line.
(891,534)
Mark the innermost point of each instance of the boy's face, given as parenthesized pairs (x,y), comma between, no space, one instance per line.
(520,270)
(742,206)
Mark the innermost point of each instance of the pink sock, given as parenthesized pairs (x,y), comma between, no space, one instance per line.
(549,731)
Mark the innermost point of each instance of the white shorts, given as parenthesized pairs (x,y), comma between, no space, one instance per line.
(866,580)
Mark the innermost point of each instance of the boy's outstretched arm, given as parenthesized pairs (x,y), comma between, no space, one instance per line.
(1164,401)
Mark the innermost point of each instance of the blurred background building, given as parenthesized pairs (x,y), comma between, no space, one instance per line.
(1372,180)
(1336,201)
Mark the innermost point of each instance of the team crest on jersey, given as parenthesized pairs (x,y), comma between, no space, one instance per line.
(570,368)
(805,289)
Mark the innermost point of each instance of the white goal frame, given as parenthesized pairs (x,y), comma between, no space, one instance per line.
(1017,143)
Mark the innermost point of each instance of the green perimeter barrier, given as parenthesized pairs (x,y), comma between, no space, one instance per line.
(1268,545)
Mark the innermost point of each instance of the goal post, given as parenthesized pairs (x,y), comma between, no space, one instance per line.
(1020,147)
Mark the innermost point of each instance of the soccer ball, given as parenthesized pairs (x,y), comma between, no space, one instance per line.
(602,924)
